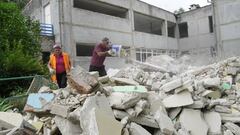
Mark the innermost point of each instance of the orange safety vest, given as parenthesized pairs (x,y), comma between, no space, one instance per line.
(53,63)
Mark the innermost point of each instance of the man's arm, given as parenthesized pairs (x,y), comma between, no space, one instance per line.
(102,53)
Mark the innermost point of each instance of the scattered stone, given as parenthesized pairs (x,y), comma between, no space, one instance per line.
(181,99)
(222,109)
(172,85)
(165,123)
(211,82)
(136,129)
(213,120)
(192,121)
(235,129)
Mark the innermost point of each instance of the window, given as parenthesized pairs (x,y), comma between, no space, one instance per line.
(101,7)
(148,24)
(84,49)
(142,54)
(183,29)
(47,14)
(210,19)
(171,29)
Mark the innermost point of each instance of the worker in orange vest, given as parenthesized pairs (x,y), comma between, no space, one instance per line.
(59,65)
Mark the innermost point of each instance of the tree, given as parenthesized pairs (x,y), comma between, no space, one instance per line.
(19,47)
(179,11)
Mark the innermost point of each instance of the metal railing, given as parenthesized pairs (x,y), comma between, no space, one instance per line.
(46,29)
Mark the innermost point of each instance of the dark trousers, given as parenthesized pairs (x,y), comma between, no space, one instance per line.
(101,70)
(62,79)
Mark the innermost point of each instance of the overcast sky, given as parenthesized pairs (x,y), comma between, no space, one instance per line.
(172,5)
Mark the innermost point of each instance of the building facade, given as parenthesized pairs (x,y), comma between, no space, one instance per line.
(142,29)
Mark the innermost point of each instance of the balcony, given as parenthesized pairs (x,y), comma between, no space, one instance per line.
(46,30)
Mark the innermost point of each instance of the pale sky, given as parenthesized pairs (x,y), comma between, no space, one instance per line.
(172,5)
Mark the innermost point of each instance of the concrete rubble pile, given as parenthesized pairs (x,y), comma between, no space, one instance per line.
(139,101)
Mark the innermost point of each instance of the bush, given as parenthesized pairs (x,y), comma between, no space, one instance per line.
(19,49)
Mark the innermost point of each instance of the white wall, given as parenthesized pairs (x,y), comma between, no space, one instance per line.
(228,28)
(199,35)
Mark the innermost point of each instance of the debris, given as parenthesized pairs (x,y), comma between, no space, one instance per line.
(235,129)
(136,129)
(181,99)
(81,80)
(165,123)
(192,121)
(213,120)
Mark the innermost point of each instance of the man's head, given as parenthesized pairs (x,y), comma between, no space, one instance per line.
(105,41)
(57,50)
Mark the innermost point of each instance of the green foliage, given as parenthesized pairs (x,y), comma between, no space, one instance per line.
(20,3)
(4,105)
(19,48)
(179,11)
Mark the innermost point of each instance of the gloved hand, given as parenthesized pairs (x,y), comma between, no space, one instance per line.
(111,53)
(52,71)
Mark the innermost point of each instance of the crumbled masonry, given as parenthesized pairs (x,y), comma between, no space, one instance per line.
(137,100)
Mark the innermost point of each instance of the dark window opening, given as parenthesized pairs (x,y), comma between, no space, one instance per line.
(148,24)
(101,7)
(45,57)
(171,29)
(210,19)
(183,29)
(84,49)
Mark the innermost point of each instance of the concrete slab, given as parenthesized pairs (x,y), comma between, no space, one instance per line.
(214,122)
(123,100)
(211,82)
(172,85)
(222,109)
(197,105)
(125,81)
(66,127)
(136,129)
(139,88)
(165,123)
(145,120)
(181,99)
(233,117)
(60,110)
(81,80)
(174,112)
(193,121)
(212,94)
(235,129)
(11,120)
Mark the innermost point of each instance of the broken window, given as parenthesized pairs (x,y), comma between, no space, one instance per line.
(210,19)
(148,24)
(84,49)
(183,29)
(171,29)
(101,7)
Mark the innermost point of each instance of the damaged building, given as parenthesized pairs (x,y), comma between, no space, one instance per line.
(142,29)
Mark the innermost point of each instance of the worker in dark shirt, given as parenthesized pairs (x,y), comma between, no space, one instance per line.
(100,52)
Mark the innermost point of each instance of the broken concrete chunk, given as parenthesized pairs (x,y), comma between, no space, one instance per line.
(228,132)
(136,129)
(125,81)
(211,82)
(212,94)
(66,127)
(222,109)
(95,74)
(81,80)
(140,106)
(233,128)
(192,121)
(213,120)
(233,117)
(139,88)
(60,110)
(197,104)
(103,79)
(181,99)
(165,123)
(183,131)
(172,85)
(119,100)
(174,112)
(145,120)
(96,117)
(232,70)
(10,120)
